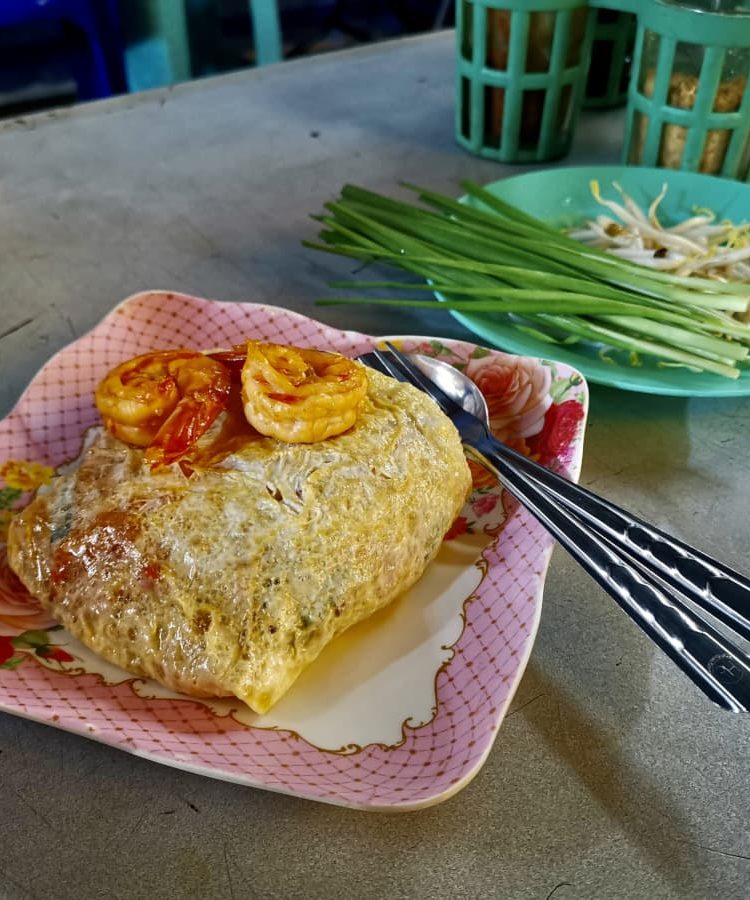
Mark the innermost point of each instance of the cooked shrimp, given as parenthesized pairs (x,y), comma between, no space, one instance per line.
(163,401)
(298,395)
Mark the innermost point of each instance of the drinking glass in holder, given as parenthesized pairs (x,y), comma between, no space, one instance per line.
(688,105)
(611,59)
(521,72)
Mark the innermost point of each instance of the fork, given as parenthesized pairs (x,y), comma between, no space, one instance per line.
(633,561)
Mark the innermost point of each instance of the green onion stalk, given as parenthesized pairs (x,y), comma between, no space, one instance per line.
(484,255)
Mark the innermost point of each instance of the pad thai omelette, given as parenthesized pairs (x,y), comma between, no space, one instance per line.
(237,511)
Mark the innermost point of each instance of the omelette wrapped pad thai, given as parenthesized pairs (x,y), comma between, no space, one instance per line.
(222,565)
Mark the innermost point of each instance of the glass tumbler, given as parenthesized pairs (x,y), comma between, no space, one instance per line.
(689,103)
(520,76)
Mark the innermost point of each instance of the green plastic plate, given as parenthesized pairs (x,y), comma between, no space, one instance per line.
(563,197)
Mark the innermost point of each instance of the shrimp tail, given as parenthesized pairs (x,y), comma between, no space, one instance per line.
(233,359)
(189,421)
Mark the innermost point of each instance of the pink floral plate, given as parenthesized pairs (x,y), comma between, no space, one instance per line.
(398,713)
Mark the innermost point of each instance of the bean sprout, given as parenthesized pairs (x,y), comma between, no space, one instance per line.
(698,245)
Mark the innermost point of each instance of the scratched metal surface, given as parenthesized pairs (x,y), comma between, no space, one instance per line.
(612,776)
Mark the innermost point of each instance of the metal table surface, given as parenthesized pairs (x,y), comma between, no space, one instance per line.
(611,776)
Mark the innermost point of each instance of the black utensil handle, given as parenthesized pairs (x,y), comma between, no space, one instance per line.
(702,653)
(711,584)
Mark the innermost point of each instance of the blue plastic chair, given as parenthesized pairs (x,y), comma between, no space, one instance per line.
(160,54)
(98,66)
(266,31)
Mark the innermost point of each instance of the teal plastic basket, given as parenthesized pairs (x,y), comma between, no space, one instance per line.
(611,59)
(689,103)
(520,76)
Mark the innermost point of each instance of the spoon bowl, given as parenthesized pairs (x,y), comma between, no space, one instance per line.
(457,386)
